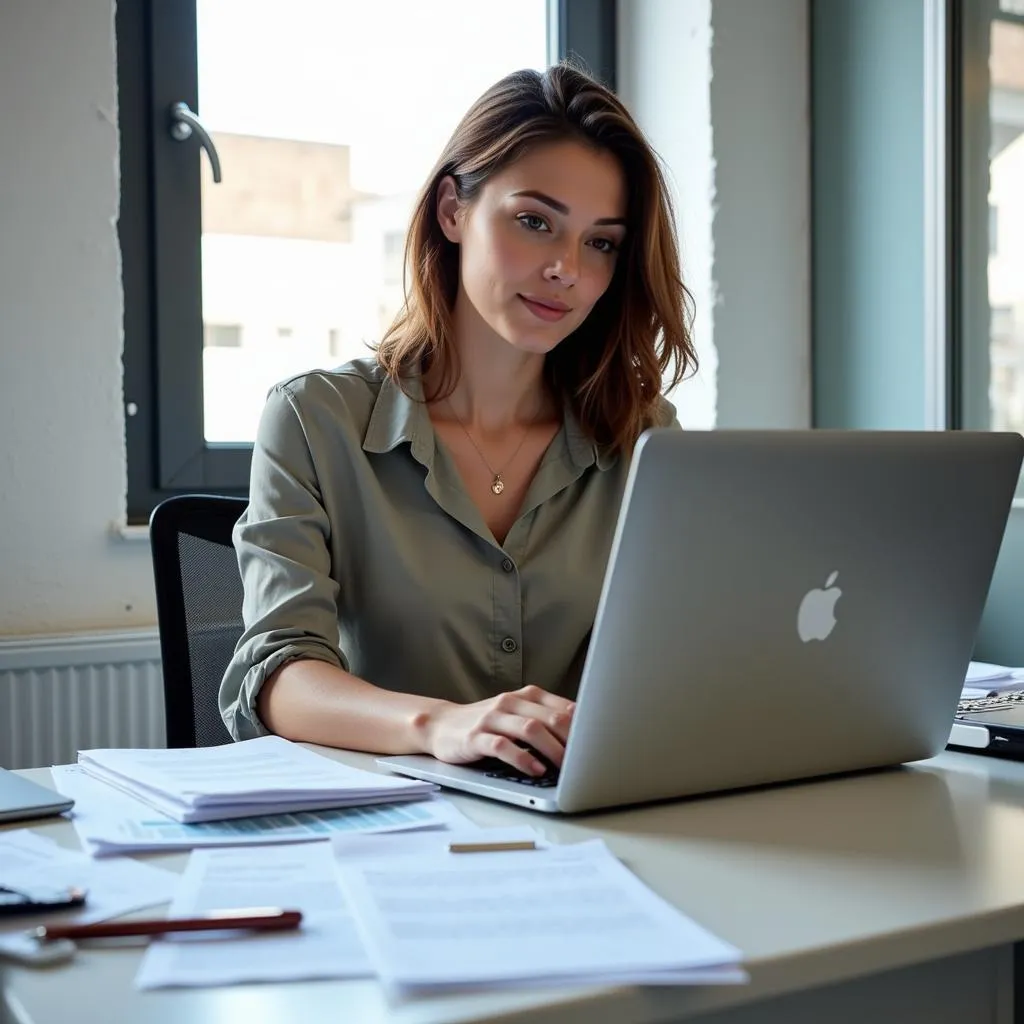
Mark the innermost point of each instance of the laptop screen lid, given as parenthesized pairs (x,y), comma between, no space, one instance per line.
(777,605)
(22,799)
(785,604)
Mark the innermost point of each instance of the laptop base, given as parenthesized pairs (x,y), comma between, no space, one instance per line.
(472,780)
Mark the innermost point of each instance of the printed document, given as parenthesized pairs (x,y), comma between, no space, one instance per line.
(297,877)
(110,821)
(555,915)
(268,775)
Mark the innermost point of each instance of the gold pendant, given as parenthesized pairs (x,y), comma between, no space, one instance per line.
(498,485)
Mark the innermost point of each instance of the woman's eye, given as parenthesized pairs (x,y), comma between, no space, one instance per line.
(532,222)
(605,245)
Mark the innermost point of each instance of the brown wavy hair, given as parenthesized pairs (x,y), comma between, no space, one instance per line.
(637,338)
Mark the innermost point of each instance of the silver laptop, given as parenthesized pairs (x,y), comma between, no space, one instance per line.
(22,799)
(777,605)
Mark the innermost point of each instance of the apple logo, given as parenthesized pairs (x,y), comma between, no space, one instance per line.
(816,618)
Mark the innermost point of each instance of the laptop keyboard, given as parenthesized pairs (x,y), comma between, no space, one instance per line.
(495,769)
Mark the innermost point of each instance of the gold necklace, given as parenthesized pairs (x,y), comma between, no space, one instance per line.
(497,484)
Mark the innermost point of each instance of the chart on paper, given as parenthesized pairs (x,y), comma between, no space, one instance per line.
(303,825)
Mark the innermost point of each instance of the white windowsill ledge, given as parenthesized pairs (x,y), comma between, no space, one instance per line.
(120,530)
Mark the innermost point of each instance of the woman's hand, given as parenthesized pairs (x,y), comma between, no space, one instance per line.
(497,727)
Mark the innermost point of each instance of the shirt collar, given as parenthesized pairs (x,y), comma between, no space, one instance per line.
(400,416)
(583,451)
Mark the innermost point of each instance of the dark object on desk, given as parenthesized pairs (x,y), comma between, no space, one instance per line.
(991,725)
(258,918)
(199,609)
(36,900)
(21,799)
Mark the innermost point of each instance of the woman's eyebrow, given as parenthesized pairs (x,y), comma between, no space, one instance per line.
(560,207)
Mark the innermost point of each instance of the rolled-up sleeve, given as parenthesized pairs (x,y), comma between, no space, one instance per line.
(290,607)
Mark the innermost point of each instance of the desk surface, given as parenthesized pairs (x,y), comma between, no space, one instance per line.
(816,882)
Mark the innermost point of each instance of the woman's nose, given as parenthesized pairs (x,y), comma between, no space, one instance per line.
(566,269)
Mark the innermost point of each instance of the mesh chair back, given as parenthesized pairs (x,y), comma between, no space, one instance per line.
(199,607)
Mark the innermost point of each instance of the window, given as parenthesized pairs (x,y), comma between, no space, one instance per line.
(990,168)
(325,116)
(222,335)
(394,244)
(393,260)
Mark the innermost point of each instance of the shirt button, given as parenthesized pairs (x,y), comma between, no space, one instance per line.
(509,646)
(507,564)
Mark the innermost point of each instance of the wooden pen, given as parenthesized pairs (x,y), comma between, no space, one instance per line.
(262,918)
(499,846)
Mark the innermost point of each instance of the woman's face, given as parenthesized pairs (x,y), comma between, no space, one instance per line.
(538,245)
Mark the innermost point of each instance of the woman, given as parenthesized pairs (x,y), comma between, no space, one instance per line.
(428,530)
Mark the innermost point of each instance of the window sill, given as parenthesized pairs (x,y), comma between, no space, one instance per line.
(121,531)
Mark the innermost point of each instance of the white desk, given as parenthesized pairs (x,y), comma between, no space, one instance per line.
(891,896)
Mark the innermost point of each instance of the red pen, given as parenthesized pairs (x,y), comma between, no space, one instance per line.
(260,918)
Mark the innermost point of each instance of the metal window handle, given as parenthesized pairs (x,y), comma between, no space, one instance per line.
(183,123)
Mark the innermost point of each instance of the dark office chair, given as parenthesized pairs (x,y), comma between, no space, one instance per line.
(199,608)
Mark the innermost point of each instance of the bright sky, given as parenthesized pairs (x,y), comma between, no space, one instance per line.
(388,77)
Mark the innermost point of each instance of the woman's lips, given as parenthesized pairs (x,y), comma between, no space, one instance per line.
(542,310)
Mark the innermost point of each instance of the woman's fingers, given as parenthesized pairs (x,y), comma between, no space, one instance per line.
(506,749)
(553,716)
(536,695)
(531,731)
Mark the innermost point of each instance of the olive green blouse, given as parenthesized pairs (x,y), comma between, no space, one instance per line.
(361,547)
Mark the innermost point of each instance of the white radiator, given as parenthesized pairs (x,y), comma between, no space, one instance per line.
(62,694)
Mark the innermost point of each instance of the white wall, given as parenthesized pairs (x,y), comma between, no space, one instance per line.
(760,116)
(62,461)
(62,467)
(721,88)
(664,69)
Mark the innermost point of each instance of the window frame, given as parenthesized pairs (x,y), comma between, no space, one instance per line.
(969,331)
(160,228)
(970,327)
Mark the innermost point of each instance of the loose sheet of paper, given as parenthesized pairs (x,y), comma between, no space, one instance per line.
(981,672)
(23,848)
(295,877)
(429,844)
(985,679)
(112,888)
(566,914)
(110,821)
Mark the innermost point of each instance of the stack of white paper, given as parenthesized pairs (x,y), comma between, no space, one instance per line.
(269,775)
(985,679)
(565,915)
(109,821)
